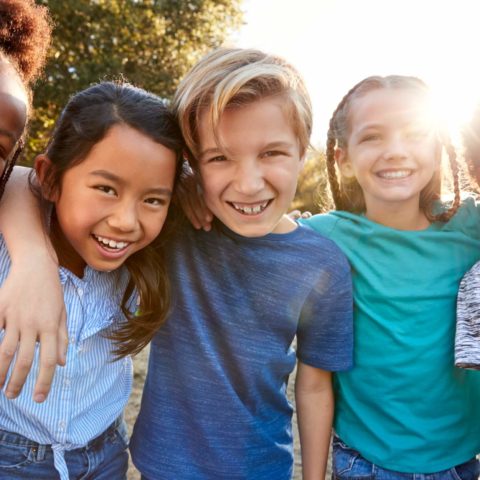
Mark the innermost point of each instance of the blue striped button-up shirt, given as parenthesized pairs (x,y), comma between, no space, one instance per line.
(91,391)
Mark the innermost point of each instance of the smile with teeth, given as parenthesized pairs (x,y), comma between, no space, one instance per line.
(394,174)
(110,243)
(250,209)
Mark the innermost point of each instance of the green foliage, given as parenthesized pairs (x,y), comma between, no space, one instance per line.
(151,43)
(312,192)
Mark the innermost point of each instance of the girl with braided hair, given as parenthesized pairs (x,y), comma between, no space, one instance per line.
(25,33)
(404,409)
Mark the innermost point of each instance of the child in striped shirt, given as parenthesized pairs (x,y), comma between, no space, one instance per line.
(105,180)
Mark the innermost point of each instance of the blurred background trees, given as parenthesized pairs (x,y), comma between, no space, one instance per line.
(312,191)
(150,43)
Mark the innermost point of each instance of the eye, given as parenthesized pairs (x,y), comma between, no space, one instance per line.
(273,153)
(105,189)
(370,137)
(156,201)
(218,158)
(418,133)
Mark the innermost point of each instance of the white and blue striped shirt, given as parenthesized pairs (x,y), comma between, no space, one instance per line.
(91,391)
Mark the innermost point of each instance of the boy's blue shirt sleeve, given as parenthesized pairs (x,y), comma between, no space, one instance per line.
(325,332)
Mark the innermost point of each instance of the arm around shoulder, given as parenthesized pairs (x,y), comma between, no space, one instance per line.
(31,299)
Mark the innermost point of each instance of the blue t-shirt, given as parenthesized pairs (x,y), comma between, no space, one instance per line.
(404,406)
(214,404)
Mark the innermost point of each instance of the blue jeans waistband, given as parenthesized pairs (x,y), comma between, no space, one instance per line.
(13,438)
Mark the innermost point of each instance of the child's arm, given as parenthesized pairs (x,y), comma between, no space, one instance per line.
(31,299)
(315,403)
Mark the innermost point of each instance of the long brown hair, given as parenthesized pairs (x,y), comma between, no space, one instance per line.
(347,194)
(84,122)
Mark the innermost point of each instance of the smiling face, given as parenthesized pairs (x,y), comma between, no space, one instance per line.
(249,177)
(13,112)
(392,149)
(114,202)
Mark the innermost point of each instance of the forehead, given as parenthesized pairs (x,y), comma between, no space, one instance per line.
(390,106)
(13,103)
(241,126)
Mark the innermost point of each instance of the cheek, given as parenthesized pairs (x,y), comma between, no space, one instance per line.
(211,183)
(153,227)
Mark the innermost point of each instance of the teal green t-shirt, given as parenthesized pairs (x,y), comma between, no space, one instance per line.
(404,406)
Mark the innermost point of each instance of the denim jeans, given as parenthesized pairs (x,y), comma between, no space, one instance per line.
(104,458)
(347,463)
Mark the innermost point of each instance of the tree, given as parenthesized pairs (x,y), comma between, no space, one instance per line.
(312,192)
(151,43)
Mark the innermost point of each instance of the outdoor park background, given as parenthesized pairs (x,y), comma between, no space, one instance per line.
(334,44)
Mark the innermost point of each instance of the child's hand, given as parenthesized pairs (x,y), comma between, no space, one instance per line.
(296,214)
(190,199)
(27,316)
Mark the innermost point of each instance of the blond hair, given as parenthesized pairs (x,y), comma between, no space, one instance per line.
(234,77)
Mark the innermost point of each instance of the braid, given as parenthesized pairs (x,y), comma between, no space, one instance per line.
(332,172)
(7,170)
(452,157)
(332,138)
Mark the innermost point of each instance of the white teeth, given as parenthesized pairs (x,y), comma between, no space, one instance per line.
(395,174)
(111,243)
(254,210)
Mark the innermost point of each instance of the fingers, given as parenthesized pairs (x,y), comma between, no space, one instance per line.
(62,340)
(46,368)
(23,363)
(8,347)
(296,214)
(198,214)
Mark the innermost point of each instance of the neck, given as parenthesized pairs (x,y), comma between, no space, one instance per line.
(399,217)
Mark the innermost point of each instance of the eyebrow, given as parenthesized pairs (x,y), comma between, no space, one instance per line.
(115,178)
(276,144)
(7,133)
(209,151)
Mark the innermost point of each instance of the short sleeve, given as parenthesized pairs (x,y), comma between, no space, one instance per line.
(323,223)
(325,332)
(467,218)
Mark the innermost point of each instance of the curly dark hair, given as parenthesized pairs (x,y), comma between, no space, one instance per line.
(25,34)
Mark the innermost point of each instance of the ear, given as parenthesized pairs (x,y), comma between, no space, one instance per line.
(43,168)
(344,164)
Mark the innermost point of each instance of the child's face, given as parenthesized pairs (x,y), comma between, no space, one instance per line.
(250,177)
(13,113)
(114,202)
(392,148)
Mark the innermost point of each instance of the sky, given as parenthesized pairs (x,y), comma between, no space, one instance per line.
(336,43)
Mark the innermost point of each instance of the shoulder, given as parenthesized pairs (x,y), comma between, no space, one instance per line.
(467,217)
(471,281)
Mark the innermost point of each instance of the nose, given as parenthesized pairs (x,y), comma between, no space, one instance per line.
(396,147)
(249,178)
(124,217)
